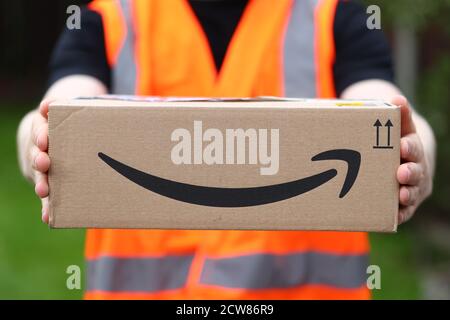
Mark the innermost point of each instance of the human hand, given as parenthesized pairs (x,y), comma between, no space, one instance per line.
(413,174)
(38,155)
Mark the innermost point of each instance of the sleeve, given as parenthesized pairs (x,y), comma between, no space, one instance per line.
(361,53)
(81,51)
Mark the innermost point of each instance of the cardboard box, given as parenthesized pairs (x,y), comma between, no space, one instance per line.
(263,164)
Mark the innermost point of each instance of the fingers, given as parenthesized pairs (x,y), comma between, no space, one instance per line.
(399,100)
(41,190)
(41,187)
(43,107)
(410,173)
(42,137)
(38,156)
(408,195)
(45,210)
(411,148)
(40,132)
(405,213)
(407,124)
(40,160)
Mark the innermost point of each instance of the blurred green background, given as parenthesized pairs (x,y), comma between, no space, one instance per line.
(415,262)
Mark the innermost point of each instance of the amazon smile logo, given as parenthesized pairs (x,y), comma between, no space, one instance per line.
(242,197)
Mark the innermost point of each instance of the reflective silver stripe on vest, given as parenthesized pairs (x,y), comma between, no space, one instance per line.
(124,71)
(299,53)
(268,271)
(137,274)
(299,58)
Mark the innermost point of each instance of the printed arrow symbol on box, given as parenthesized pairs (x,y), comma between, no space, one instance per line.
(378,124)
(242,197)
(389,125)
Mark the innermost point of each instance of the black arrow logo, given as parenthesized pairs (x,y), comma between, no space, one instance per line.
(388,125)
(378,124)
(241,197)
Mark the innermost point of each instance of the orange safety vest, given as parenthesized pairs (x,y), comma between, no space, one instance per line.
(280,48)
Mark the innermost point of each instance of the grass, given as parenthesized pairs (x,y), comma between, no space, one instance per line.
(34,259)
(395,254)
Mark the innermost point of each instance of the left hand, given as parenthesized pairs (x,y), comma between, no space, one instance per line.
(413,174)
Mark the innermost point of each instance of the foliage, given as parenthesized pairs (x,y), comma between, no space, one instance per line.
(432,92)
(434,103)
(417,14)
(33,259)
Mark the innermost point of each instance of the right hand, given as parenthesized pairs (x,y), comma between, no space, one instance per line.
(38,155)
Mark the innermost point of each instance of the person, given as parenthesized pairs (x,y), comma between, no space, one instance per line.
(230,48)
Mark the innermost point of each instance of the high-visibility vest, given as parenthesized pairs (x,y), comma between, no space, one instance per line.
(280,48)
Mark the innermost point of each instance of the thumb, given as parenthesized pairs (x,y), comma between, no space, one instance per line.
(407,124)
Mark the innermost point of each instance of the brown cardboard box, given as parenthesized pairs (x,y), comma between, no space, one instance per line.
(119,162)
